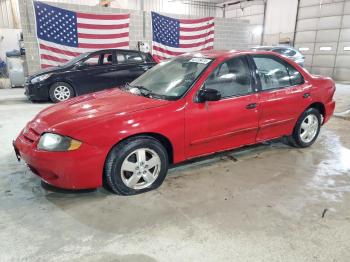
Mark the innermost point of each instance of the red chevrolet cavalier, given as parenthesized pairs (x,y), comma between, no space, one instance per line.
(190,106)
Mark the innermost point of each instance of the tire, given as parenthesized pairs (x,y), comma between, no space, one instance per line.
(126,174)
(60,91)
(302,137)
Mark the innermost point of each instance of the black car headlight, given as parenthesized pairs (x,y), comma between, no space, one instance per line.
(40,78)
(55,142)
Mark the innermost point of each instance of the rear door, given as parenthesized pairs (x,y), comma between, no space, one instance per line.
(283,96)
(130,65)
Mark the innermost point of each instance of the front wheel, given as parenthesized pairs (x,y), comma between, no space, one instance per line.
(136,165)
(306,129)
(60,91)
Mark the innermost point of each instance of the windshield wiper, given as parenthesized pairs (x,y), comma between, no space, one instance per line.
(143,90)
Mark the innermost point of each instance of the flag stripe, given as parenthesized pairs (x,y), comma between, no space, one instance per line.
(196,33)
(196,25)
(192,29)
(58,50)
(104,36)
(104,27)
(102,46)
(58,55)
(192,37)
(194,40)
(178,51)
(103,41)
(102,22)
(53,58)
(103,17)
(195,21)
(211,40)
(103,32)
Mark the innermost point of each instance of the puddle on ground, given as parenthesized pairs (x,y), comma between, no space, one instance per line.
(332,175)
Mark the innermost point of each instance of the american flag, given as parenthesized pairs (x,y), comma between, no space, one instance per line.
(64,34)
(172,37)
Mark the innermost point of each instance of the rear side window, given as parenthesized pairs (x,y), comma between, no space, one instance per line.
(129,58)
(285,51)
(274,73)
(295,77)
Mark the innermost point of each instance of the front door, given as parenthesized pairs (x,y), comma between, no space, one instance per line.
(284,95)
(96,74)
(230,122)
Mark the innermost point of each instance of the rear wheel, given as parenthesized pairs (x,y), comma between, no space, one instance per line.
(136,165)
(61,91)
(306,129)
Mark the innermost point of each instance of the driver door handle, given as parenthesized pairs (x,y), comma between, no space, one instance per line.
(251,106)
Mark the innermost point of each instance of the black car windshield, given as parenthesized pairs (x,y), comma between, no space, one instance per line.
(76,59)
(171,79)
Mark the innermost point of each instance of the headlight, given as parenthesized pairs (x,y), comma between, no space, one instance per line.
(40,78)
(55,142)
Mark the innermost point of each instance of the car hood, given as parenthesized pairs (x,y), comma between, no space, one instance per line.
(80,112)
(54,69)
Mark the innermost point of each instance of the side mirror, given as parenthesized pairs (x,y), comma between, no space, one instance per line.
(208,94)
(81,65)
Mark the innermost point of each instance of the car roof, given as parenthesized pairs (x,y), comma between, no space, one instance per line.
(273,47)
(214,54)
(114,49)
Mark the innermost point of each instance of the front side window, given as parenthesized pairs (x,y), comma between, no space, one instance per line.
(172,78)
(99,59)
(231,78)
(274,73)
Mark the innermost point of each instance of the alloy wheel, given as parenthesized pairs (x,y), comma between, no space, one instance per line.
(140,168)
(62,93)
(309,128)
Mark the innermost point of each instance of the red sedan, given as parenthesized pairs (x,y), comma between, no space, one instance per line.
(190,106)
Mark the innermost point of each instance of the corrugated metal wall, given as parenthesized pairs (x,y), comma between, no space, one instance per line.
(323,35)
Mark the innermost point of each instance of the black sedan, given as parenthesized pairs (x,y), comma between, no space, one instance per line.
(89,72)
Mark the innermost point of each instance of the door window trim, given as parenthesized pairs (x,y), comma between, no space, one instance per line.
(278,59)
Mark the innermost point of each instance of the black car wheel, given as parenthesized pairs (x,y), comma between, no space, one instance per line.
(60,91)
(306,129)
(136,165)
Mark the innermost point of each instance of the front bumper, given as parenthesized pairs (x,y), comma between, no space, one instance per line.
(78,169)
(37,92)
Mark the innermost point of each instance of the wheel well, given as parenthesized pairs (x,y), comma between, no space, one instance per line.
(162,139)
(320,107)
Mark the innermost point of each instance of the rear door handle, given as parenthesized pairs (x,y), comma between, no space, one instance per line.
(251,106)
(306,95)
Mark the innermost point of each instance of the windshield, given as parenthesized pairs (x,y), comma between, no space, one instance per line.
(172,78)
(76,59)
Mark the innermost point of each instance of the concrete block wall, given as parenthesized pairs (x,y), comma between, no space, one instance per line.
(229,33)
(323,27)
(254,13)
